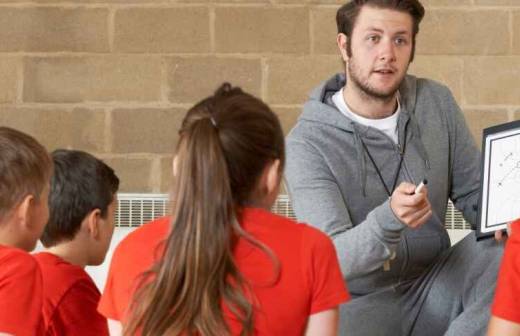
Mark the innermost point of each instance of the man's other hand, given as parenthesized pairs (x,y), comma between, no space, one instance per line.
(501,236)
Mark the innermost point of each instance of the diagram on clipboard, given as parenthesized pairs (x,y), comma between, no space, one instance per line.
(500,185)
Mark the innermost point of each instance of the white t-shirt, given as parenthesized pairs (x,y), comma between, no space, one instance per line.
(386,125)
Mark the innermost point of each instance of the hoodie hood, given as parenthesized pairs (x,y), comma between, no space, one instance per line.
(321,109)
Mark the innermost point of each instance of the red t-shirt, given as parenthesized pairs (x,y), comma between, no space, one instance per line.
(20,293)
(507,294)
(309,282)
(70,299)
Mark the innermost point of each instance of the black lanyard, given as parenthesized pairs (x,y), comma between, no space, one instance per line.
(396,176)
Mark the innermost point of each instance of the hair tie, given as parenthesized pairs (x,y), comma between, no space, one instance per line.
(213,122)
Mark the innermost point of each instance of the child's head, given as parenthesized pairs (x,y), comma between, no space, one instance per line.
(25,169)
(82,202)
(230,155)
(234,139)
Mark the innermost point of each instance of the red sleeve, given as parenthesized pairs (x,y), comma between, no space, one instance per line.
(107,304)
(21,294)
(76,314)
(327,284)
(507,295)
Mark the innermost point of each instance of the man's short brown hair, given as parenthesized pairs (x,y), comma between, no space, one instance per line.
(348,13)
(25,168)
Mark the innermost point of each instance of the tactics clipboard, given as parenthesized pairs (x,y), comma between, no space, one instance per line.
(500,179)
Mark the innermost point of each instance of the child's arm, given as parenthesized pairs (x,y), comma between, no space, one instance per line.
(324,323)
(501,327)
(114,328)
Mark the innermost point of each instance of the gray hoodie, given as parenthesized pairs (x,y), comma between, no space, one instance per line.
(335,187)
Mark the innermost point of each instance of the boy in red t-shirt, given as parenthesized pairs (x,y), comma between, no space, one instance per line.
(505,319)
(25,169)
(82,202)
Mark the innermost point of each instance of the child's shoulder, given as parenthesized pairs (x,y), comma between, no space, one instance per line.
(284,225)
(151,232)
(14,260)
(141,243)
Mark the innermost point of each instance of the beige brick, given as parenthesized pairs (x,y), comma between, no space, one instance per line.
(145,130)
(288,116)
(57,128)
(191,79)
(456,31)
(516,115)
(83,79)
(243,1)
(290,79)
(447,70)
(87,130)
(262,30)
(324,31)
(449,3)
(8,79)
(498,2)
(478,119)
(166,174)
(54,29)
(134,173)
(492,80)
(516,32)
(179,29)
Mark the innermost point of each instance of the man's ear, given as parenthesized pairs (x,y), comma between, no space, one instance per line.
(273,176)
(92,222)
(341,40)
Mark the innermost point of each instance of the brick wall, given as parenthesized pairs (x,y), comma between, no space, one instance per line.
(115,77)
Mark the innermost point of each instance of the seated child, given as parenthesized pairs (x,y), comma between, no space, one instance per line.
(224,264)
(82,202)
(25,170)
(505,318)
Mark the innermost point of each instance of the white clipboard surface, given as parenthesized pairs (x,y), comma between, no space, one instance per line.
(500,182)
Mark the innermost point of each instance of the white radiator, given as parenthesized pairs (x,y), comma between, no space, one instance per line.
(136,209)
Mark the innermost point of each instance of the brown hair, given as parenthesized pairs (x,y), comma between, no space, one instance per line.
(25,168)
(348,13)
(80,183)
(226,141)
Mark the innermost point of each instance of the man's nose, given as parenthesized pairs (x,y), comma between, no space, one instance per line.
(387,51)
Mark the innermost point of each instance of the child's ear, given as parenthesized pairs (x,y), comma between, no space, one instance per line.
(273,176)
(92,223)
(175,163)
(23,211)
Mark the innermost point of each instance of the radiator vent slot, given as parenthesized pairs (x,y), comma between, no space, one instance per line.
(136,209)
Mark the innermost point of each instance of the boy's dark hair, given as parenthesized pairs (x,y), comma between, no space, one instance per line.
(25,168)
(347,15)
(80,183)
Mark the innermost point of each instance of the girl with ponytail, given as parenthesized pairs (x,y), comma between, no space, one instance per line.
(225,265)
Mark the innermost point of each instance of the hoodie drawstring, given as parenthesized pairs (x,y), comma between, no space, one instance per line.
(362,174)
(419,143)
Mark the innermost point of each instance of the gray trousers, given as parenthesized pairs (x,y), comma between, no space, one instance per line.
(451,298)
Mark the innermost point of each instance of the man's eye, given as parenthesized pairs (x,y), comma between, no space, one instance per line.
(373,38)
(400,40)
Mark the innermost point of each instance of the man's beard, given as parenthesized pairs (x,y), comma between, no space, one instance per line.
(366,89)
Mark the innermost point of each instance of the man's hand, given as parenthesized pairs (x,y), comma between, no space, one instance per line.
(410,208)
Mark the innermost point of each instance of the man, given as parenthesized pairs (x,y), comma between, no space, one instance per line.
(363,143)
